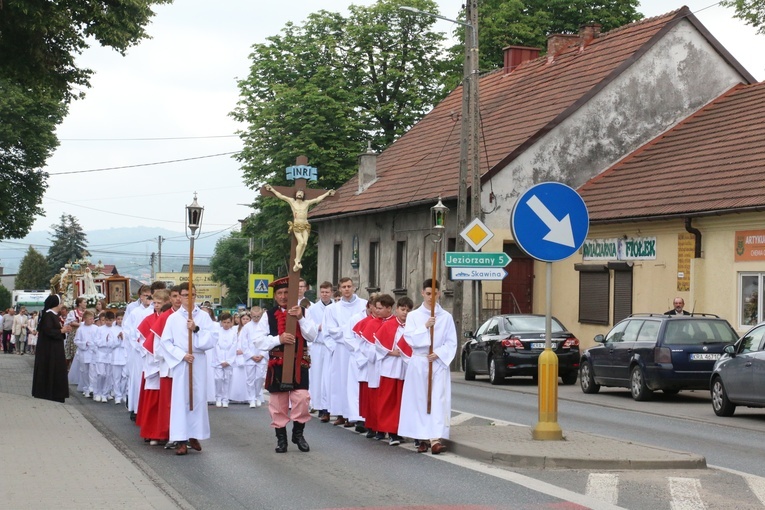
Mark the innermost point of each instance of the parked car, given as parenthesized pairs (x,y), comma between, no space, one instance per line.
(738,378)
(649,352)
(510,345)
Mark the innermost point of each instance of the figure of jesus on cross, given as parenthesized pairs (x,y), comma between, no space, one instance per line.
(300,229)
(299,226)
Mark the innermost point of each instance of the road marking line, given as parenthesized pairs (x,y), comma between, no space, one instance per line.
(493,420)
(756,483)
(603,486)
(685,494)
(528,482)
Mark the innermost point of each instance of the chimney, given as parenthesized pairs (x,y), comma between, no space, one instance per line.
(556,43)
(517,55)
(587,33)
(367,168)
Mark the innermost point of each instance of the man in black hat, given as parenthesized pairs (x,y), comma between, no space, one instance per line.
(270,335)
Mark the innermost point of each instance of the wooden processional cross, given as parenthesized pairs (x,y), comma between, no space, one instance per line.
(300,173)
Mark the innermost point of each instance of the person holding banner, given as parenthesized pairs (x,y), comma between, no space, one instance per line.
(426,331)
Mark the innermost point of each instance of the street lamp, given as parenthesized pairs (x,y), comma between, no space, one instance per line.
(468,138)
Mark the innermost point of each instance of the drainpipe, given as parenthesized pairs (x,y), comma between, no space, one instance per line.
(696,232)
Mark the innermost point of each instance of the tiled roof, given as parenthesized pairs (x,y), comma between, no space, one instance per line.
(712,162)
(516,108)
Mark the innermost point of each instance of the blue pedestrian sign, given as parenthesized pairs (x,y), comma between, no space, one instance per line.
(550,221)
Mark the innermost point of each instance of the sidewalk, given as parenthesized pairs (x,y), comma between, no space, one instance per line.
(52,457)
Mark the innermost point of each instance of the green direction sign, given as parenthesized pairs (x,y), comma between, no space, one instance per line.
(477,259)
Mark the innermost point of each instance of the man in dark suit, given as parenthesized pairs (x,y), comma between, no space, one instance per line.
(678,304)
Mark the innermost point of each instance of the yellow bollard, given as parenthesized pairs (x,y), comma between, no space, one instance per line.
(548,429)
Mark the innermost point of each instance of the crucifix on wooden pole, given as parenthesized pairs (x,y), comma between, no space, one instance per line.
(300,198)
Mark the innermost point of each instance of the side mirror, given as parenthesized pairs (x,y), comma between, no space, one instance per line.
(468,334)
(599,339)
(730,350)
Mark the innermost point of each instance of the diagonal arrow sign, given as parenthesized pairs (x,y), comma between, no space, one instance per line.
(560,230)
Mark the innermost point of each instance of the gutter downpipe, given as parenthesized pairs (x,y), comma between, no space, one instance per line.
(696,232)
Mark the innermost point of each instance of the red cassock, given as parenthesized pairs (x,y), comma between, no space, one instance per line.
(154,409)
(359,329)
(388,395)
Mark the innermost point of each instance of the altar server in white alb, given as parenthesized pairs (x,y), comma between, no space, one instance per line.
(223,356)
(255,360)
(336,325)
(321,355)
(188,425)
(119,360)
(414,346)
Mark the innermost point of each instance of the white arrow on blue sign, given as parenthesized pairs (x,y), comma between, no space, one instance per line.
(478,273)
(550,221)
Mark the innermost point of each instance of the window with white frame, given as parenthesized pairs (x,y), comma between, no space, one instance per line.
(750,298)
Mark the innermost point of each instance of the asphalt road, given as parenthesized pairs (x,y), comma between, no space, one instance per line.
(682,422)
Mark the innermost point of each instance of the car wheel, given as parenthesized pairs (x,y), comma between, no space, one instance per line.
(569,378)
(469,373)
(637,385)
(496,372)
(587,378)
(720,403)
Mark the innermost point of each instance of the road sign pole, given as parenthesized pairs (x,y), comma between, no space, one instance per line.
(547,429)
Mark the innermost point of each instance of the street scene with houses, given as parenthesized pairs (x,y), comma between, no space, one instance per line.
(459,255)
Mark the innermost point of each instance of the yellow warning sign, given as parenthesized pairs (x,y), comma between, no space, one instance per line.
(259,286)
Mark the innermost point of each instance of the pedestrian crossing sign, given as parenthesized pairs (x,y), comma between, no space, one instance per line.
(259,286)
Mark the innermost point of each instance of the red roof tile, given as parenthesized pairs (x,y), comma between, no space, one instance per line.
(713,161)
(515,108)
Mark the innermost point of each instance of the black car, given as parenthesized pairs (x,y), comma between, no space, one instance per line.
(738,378)
(648,352)
(509,345)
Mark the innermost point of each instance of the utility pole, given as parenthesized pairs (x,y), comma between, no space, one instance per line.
(471,15)
(151,261)
(159,242)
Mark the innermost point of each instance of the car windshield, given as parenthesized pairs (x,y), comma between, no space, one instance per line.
(519,323)
(691,331)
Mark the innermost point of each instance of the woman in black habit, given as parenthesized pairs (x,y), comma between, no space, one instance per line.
(50,378)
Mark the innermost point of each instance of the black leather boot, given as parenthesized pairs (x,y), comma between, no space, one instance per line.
(281,440)
(297,436)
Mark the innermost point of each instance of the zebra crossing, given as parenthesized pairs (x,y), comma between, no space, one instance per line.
(709,489)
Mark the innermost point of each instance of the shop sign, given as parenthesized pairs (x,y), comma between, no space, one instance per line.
(750,245)
(634,248)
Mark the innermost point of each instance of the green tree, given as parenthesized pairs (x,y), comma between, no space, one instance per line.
(5,298)
(69,243)
(324,89)
(33,271)
(751,11)
(528,22)
(229,267)
(39,77)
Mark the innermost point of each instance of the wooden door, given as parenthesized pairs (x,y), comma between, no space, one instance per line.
(518,285)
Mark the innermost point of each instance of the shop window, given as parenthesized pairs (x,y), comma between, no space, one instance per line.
(750,298)
(594,293)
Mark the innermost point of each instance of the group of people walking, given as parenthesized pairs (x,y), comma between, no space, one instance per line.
(19,331)
(377,365)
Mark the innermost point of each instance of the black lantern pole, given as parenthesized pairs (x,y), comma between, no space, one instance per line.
(194,214)
(438,213)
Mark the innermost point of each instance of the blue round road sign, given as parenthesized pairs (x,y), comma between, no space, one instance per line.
(550,221)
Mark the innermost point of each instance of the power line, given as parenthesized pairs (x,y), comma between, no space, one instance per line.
(143,164)
(145,139)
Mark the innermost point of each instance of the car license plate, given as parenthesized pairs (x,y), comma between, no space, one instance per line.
(541,345)
(704,356)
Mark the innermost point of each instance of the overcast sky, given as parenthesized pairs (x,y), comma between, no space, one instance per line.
(182,83)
